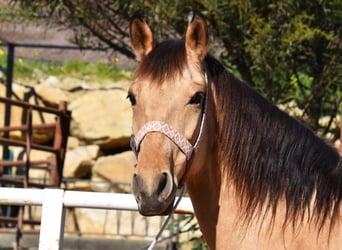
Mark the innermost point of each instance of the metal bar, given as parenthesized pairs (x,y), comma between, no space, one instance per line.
(54,201)
(15,219)
(55,176)
(24,231)
(28,105)
(22,163)
(23,144)
(21,196)
(61,47)
(24,127)
(52,220)
(9,78)
(100,200)
(18,181)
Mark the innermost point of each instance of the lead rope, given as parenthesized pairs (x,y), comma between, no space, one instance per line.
(155,240)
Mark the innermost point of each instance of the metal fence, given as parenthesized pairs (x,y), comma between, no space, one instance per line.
(55,201)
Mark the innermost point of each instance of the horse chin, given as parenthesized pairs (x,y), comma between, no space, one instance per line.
(160,209)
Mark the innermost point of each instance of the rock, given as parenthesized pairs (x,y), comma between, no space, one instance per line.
(118,169)
(71,84)
(102,118)
(38,74)
(78,185)
(51,81)
(100,184)
(51,95)
(73,142)
(106,84)
(79,161)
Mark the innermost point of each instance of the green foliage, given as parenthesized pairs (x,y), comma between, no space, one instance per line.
(24,69)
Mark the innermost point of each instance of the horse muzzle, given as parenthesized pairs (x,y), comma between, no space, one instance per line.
(154,196)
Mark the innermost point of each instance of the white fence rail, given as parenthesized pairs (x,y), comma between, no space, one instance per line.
(54,202)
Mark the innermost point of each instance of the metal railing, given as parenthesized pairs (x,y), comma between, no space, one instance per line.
(55,201)
(58,149)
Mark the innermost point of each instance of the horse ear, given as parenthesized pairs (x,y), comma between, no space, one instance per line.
(196,38)
(141,37)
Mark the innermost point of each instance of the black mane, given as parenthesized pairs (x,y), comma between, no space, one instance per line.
(272,156)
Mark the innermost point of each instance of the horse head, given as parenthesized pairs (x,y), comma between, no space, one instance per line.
(168,97)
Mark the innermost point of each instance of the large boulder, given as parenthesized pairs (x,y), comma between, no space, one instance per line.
(50,92)
(113,172)
(102,117)
(79,161)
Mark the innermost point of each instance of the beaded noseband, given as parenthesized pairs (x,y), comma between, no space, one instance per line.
(159,126)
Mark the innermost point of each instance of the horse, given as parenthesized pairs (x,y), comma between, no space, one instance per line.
(257,178)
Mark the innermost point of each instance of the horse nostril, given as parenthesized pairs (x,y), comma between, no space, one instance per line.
(135,187)
(165,187)
(162,183)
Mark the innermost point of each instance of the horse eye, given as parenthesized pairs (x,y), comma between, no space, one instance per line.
(132,99)
(197,98)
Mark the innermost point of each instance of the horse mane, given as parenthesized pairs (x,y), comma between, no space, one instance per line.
(271,156)
(267,154)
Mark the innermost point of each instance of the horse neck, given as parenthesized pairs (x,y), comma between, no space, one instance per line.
(204,179)
(214,201)
(204,190)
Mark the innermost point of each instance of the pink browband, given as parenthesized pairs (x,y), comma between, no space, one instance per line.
(159,126)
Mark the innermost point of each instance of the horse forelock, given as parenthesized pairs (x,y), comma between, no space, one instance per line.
(271,157)
(164,62)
